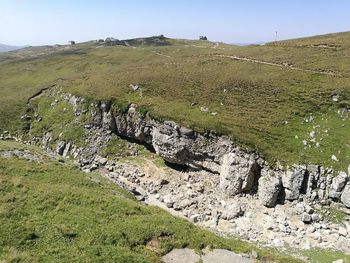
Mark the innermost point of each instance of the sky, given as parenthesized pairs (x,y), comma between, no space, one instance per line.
(38,22)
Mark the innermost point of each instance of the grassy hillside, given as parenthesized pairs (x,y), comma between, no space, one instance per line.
(270,98)
(50,212)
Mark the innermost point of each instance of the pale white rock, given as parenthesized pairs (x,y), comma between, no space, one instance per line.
(269,188)
(338,184)
(334,158)
(232,211)
(292,181)
(237,174)
(345,197)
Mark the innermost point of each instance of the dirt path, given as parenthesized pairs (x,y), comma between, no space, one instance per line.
(285,65)
(160,54)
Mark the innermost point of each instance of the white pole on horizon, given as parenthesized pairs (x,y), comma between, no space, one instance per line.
(276,35)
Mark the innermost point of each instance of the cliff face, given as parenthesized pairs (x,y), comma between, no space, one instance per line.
(228,188)
(240,171)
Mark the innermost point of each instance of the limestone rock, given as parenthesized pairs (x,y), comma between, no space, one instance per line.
(224,256)
(61,145)
(292,181)
(306,218)
(338,185)
(46,140)
(232,211)
(237,173)
(269,188)
(181,255)
(100,160)
(345,197)
(169,201)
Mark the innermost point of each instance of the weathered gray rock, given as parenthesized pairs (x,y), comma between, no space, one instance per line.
(184,255)
(292,181)
(345,196)
(232,211)
(20,154)
(338,185)
(169,200)
(61,145)
(313,174)
(100,160)
(175,144)
(66,149)
(224,256)
(306,218)
(238,172)
(270,186)
(46,140)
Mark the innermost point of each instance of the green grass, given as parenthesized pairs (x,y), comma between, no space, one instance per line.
(57,116)
(319,256)
(51,212)
(333,215)
(253,101)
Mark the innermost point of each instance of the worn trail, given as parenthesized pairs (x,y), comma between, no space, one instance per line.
(284,65)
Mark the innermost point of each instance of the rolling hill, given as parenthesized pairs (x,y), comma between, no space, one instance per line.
(269,98)
(288,100)
(5,48)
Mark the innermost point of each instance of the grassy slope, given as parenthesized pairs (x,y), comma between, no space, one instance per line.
(53,213)
(258,101)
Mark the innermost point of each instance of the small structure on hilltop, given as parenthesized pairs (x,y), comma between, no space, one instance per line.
(111,41)
(203,38)
(72,42)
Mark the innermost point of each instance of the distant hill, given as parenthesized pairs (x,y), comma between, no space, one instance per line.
(5,48)
(248,43)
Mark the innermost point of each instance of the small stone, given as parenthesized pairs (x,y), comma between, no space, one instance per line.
(334,158)
(204,109)
(168,201)
(309,209)
(163,182)
(232,211)
(311,229)
(315,217)
(254,254)
(343,232)
(100,160)
(195,218)
(93,167)
(306,218)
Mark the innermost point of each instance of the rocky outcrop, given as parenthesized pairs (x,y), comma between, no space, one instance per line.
(338,185)
(345,196)
(238,173)
(241,171)
(292,181)
(270,186)
(175,144)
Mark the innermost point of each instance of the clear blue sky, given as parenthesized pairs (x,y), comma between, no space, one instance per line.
(36,22)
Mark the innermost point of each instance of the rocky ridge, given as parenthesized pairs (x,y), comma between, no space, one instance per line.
(226,188)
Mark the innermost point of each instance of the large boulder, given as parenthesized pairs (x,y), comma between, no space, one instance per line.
(46,140)
(168,143)
(338,185)
(270,186)
(345,196)
(292,181)
(238,173)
